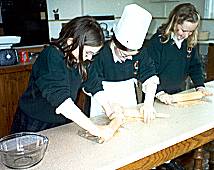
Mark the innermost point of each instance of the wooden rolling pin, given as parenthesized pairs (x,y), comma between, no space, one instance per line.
(138,113)
(135,112)
(181,97)
(115,124)
(131,114)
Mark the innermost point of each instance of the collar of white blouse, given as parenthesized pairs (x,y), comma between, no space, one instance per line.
(177,42)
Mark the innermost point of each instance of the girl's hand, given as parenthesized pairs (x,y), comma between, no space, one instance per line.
(118,112)
(204,91)
(105,133)
(165,98)
(149,113)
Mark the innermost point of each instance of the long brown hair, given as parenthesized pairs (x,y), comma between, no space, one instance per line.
(84,30)
(182,12)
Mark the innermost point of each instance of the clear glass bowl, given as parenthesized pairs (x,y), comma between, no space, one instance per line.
(22,150)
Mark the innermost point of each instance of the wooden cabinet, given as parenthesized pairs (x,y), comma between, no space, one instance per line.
(13,82)
(210,63)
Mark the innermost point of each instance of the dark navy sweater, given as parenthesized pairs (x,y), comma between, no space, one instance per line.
(51,82)
(108,70)
(174,65)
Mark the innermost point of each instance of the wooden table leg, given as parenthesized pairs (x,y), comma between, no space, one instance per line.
(211,158)
(198,158)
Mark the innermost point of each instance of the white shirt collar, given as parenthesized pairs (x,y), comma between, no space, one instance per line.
(177,42)
(115,57)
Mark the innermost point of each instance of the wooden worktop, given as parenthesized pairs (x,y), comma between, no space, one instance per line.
(16,68)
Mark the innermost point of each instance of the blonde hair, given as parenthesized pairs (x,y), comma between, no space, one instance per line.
(181,13)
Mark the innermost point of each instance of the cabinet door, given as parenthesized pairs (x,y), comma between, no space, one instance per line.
(210,64)
(12,85)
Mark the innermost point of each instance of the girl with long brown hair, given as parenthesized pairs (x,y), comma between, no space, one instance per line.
(57,75)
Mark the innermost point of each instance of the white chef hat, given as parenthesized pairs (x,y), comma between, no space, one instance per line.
(132,27)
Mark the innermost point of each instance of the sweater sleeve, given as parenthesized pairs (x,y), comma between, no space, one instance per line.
(51,76)
(195,69)
(154,51)
(147,67)
(94,82)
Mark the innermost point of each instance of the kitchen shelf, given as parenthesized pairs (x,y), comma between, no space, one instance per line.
(59,20)
(98,18)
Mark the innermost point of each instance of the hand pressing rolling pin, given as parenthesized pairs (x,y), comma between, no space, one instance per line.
(112,127)
(182,97)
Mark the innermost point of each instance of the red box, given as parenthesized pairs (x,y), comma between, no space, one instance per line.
(23,56)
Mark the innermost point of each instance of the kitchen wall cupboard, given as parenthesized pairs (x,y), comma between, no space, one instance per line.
(30,21)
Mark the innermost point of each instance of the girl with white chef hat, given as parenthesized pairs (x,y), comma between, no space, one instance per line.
(123,60)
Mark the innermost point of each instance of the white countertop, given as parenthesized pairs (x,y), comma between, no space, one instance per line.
(68,151)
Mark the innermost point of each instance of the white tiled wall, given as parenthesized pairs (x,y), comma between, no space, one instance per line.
(71,8)
(67,8)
